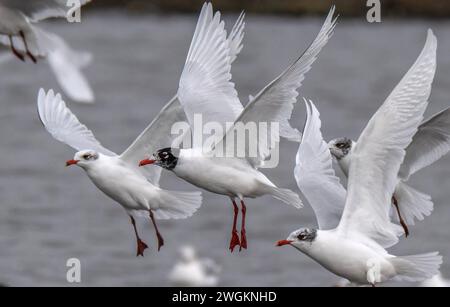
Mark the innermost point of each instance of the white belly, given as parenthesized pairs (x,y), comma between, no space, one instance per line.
(349,259)
(125,186)
(218,176)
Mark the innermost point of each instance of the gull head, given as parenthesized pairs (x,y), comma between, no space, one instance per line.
(84,158)
(300,239)
(341,147)
(166,158)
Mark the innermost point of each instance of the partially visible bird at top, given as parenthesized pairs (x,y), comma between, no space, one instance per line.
(17,19)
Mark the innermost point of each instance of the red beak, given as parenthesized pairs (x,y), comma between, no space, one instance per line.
(283,242)
(71,162)
(146,162)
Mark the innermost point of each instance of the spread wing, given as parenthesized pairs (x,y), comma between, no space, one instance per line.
(429,144)
(380,151)
(315,174)
(64,126)
(205,86)
(158,134)
(67,65)
(274,104)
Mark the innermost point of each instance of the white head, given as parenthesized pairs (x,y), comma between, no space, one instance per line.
(301,238)
(84,158)
(341,147)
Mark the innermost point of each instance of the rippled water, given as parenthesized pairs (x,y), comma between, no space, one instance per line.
(49,213)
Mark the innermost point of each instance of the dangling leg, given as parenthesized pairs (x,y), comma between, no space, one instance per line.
(243,233)
(14,50)
(234,234)
(141,246)
(32,57)
(402,221)
(158,235)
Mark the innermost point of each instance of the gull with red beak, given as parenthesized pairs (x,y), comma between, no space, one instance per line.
(136,190)
(354,225)
(206,89)
(118,176)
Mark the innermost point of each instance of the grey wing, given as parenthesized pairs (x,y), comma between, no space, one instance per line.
(429,144)
(156,136)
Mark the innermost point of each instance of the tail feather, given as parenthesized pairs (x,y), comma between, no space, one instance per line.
(417,267)
(413,204)
(286,196)
(178,205)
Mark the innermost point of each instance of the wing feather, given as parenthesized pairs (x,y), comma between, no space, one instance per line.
(380,151)
(315,174)
(64,126)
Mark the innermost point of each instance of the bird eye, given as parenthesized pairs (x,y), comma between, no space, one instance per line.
(86,157)
(301,237)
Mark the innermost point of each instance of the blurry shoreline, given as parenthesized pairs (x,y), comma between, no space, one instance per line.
(346,8)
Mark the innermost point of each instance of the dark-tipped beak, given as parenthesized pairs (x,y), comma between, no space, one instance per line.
(146,162)
(71,162)
(283,242)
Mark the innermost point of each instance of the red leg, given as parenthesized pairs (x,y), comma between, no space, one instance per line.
(32,57)
(234,234)
(14,50)
(158,235)
(141,246)
(402,222)
(243,233)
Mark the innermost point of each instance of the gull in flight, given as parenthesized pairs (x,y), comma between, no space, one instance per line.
(355,249)
(65,63)
(192,271)
(429,144)
(119,177)
(17,19)
(205,88)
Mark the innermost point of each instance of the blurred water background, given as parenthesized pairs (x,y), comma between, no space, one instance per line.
(49,214)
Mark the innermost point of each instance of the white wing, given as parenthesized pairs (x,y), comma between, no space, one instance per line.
(205,87)
(429,144)
(315,174)
(156,136)
(42,9)
(380,151)
(66,64)
(274,104)
(59,121)
(236,36)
